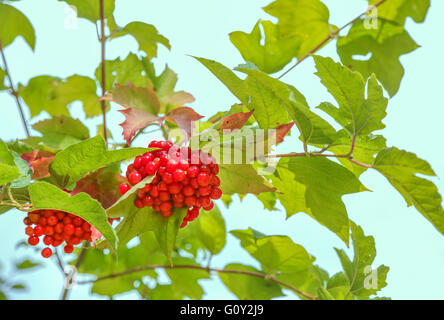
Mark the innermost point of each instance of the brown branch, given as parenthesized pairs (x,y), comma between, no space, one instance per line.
(332,35)
(14,92)
(242,272)
(102,42)
(348,156)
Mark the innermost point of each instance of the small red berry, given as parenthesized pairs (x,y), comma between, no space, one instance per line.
(216,193)
(29,231)
(48,240)
(139,203)
(39,230)
(134,178)
(164,195)
(49,230)
(203,179)
(123,188)
(166,214)
(174,188)
(67,220)
(52,220)
(151,168)
(46,253)
(193,171)
(42,221)
(33,240)
(59,227)
(165,206)
(69,229)
(172,165)
(210,207)
(68,248)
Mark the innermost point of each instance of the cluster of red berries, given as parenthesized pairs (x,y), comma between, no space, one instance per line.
(56,227)
(182,178)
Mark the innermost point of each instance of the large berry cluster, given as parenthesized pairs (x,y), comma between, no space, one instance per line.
(56,227)
(182,178)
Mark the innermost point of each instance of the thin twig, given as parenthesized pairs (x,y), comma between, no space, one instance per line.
(14,92)
(79,261)
(348,156)
(332,35)
(103,84)
(59,262)
(242,272)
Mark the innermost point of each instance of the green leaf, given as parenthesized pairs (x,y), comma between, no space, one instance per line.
(401,168)
(51,94)
(185,281)
(26,264)
(13,169)
(363,281)
(366,147)
(130,69)
(358,115)
(90,9)
(399,10)
(209,229)
(276,51)
(47,196)
(292,196)
(79,159)
(146,35)
(275,102)
(138,221)
(275,253)
(62,125)
(268,199)
(246,287)
(242,179)
(386,44)
(304,19)
(323,195)
(236,85)
(8,173)
(14,24)
(58,133)
(19,286)
(25,173)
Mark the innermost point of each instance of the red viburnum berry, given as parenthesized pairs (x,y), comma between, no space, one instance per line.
(123,188)
(33,240)
(46,253)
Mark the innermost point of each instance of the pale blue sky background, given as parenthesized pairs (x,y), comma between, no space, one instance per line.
(405,241)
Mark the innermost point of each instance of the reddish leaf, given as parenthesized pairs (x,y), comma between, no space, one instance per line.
(134,97)
(282,130)
(136,120)
(184,117)
(235,121)
(39,162)
(102,185)
(178,98)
